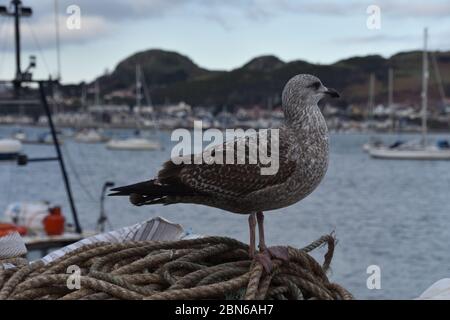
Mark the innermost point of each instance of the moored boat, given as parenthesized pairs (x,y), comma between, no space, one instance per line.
(9,149)
(411,153)
(133,144)
(89,136)
(421,150)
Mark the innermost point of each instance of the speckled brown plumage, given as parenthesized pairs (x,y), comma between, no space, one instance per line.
(241,188)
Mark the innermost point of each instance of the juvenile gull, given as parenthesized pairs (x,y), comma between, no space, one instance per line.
(241,188)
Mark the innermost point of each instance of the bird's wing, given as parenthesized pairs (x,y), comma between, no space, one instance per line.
(237,179)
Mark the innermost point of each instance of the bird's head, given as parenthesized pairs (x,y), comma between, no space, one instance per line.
(305,89)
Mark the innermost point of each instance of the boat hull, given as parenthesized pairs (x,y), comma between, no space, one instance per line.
(133,145)
(8,156)
(9,149)
(395,154)
(89,137)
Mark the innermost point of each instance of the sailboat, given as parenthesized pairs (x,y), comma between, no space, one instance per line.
(137,142)
(90,135)
(414,150)
(41,240)
(373,142)
(44,138)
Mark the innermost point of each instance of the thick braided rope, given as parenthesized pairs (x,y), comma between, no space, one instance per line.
(253,284)
(204,268)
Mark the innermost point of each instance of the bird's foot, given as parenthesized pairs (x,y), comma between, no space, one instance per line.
(279,252)
(266,256)
(266,260)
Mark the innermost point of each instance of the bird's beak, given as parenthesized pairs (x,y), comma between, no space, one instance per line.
(332,93)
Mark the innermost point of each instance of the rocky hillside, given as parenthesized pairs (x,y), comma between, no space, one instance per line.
(174,77)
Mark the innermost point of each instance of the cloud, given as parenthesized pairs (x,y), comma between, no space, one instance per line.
(41,33)
(101,18)
(438,41)
(98,19)
(114,10)
(398,8)
(377,38)
(415,9)
(111,10)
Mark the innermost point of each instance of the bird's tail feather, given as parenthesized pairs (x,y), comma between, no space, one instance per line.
(150,192)
(145,187)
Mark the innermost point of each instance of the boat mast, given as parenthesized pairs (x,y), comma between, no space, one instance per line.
(138,97)
(391,97)
(17,4)
(97,93)
(138,86)
(437,74)
(148,98)
(370,103)
(425,75)
(21,77)
(18,11)
(83,98)
(55,86)
(57,38)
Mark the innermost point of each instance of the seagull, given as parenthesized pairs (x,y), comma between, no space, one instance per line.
(240,187)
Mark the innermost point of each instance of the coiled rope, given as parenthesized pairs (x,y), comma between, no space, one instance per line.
(204,268)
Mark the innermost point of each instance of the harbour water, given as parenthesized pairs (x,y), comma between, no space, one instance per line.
(393,214)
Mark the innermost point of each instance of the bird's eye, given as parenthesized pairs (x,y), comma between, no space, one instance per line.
(315,85)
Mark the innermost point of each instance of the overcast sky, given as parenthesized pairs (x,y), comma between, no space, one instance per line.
(219,34)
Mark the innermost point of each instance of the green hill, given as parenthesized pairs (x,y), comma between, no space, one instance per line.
(174,77)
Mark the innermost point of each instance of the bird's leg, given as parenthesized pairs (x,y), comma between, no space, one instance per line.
(252,225)
(262,241)
(264,256)
(277,252)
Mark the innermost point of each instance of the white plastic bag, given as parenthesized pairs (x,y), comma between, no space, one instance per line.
(27,214)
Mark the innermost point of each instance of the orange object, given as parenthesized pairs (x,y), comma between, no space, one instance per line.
(54,222)
(7,228)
